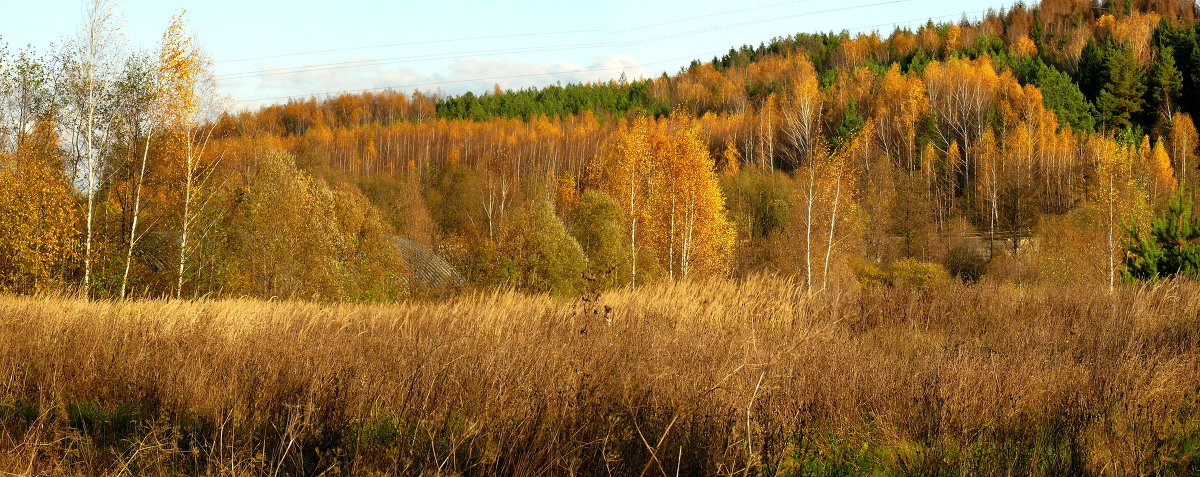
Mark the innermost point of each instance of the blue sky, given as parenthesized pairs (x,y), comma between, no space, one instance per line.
(264,51)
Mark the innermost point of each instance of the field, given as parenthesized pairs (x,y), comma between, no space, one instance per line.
(716,378)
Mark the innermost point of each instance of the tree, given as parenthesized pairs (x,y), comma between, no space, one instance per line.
(183,72)
(1166,83)
(137,110)
(851,125)
(699,234)
(37,223)
(802,115)
(30,96)
(840,171)
(276,212)
(907,216)
(1122,99)
(624,173)
(1117,194)
(901,103)
(88,70)
(673,201)
(1169,248)
(1183,139)
(1061,95)
(990,182)
(1162,175)
(961,95)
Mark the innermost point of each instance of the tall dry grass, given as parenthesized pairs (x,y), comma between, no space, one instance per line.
(684,379)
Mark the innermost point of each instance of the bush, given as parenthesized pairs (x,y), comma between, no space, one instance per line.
(538,253)
(598,224)
(906,273)
(914,274)
(289,234)
(870,273)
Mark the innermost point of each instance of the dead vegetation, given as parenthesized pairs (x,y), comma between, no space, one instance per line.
(711,378)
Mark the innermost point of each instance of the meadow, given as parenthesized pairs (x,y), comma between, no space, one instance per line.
(721,377)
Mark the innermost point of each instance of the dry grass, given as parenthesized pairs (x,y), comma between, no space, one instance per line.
(686,379)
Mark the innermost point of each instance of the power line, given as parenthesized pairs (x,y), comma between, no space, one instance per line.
(681,20)
(753,22)
(427,42)
(490,78)
(351,64)
(367,63)
(906,22)
(402,59)
(515,35)
(471,54)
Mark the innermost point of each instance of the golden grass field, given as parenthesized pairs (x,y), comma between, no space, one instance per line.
(714,378)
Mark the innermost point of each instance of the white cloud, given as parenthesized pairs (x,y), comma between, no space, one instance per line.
(461,75)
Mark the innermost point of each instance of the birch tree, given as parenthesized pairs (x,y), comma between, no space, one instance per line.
(802,115)
(88,70)
(139,105)
(183,72)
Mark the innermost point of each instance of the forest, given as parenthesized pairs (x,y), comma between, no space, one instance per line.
(1025,147)
(967,248)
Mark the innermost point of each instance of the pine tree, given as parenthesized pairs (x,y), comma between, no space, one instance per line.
(1061,95)
(1166,82)
(1122,99)
(1170,248)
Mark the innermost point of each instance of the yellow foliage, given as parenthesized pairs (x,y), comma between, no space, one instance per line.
(1162,175)
(1025,47)
(666,183)
(37,220)
(731,158)
(566,197)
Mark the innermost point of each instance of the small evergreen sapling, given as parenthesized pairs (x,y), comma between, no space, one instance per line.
(1170,248)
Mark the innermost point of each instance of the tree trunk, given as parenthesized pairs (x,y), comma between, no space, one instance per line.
(832,223)
(808,230)
(187,216)
(137,201)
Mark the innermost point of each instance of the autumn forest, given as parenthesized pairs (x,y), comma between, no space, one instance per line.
(645,274)
(822,156)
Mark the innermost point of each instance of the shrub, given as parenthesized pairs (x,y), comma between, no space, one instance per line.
(538,253)
(906,273)
(870,273)
(914,274)
(598,224)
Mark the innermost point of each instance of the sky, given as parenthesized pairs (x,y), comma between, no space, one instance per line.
(266,51)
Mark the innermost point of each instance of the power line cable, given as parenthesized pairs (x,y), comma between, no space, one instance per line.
(514,35)
(411,43)
(729,12)
(403,59)
(754,22)
(334,66)
(490,78)
(366,63)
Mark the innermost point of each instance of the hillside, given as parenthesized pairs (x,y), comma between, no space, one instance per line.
(829,157)
(964,249)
